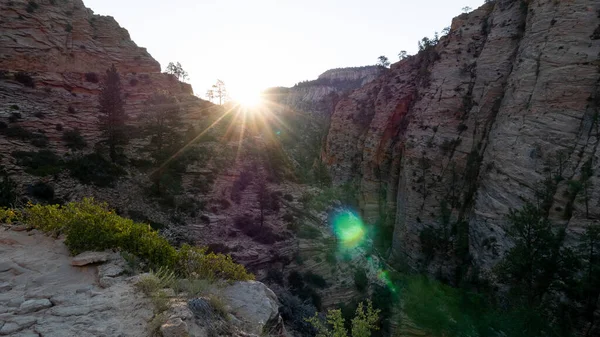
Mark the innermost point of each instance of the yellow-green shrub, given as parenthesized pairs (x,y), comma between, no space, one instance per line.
(8,215)
(91,225)
(194,261)
(50,218)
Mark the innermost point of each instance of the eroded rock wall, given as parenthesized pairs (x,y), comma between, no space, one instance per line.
(465,130)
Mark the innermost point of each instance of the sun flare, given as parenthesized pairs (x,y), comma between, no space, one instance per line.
(249,98)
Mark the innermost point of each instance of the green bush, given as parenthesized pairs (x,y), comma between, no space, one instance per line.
(32,6)
(74,140)
(361,280)
(93,169)
(8,190)
(25,78)
(363,323)
(41,190)
(90,225)
(196,262)
(40,163)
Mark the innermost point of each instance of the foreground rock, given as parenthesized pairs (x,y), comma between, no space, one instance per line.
(44,295)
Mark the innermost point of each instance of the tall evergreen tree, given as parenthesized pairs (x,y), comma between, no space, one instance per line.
(112,113)
(163,121)
(589,250)
(528,267)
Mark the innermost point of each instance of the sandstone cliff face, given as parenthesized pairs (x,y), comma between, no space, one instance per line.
(66,49)
(318,96)
(506,100)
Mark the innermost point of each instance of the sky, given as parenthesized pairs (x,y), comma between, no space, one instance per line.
(255,44)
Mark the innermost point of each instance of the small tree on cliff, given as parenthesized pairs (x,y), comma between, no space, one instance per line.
(383,61)
(177,71)
(112,114)
(263,195)
(217,91)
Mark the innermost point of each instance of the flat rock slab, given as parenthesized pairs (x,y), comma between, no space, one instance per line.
(86,258)
(34,305)
(48,296)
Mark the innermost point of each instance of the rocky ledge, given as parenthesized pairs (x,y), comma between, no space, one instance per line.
(46,292)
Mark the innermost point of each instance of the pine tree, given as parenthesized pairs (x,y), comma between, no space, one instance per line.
(112,113)
(589,250)
(529,265)
(163,121)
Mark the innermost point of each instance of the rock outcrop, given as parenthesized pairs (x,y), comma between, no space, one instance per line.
(504,109)
(42,294)
(320,96)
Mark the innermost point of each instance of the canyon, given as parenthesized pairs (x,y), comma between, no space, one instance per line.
(499,112)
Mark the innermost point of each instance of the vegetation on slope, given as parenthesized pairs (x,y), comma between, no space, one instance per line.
(90,225)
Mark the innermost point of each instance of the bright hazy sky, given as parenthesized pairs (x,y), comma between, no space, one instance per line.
(255,44)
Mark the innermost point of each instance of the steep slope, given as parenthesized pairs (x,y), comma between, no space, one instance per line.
(457,135)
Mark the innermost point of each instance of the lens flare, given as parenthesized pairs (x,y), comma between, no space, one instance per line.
(349,229)
(383,276)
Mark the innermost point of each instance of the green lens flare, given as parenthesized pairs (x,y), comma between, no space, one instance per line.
(349,229)
(385,278)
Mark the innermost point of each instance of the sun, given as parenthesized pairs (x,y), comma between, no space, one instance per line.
(249,98)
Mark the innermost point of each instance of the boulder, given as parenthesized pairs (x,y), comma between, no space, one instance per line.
(252,303)
(174,327)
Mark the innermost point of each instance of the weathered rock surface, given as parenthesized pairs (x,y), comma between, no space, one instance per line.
(174,328)
(252,303)
(507,100)
(86,258)
(48,296)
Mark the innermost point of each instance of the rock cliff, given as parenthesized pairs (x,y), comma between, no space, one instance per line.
(503,110)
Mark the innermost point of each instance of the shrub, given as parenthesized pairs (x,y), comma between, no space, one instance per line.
(364,321)
(32,6)
(274,276)
(194,261)
(41,190)
(93,169)
(8,215)
(59,127)
(294,311)
(308,232)
(361,281)
(253,229)
(41,163)
(315,279)
(138,216)
(74,140)
(288,217)
(25,79)
(8,190)
(39,140)
(14,117)
(17,132)
(71,110)
(92,77)
(90,225)
(68,28)
(288,197)
(14,107)
(239,185)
